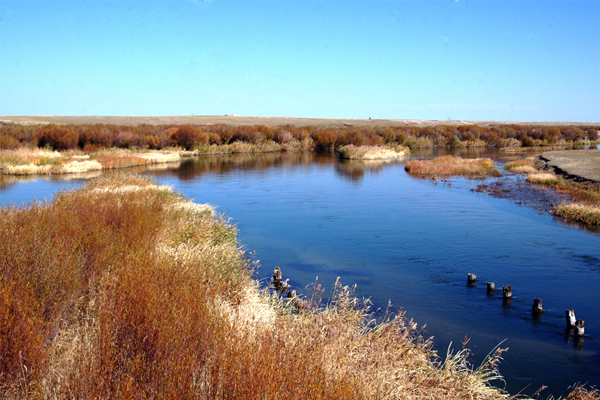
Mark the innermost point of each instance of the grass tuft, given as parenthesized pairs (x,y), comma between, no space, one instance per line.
(587,214)
(524,166)
(546,178)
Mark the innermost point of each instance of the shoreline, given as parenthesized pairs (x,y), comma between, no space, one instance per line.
(573,164)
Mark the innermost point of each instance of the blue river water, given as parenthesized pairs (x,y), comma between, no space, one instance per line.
(412,242)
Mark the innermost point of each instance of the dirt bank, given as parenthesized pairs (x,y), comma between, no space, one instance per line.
(582,165)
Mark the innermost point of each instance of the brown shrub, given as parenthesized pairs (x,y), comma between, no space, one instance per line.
(8,142)
(189,136)
(58,137)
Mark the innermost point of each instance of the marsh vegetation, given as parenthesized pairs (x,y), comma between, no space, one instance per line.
(453,166)
(584,206)
(207,138)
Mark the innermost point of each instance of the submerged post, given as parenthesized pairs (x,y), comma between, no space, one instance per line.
(537,305)
(570,314)
(579,328)
(507,292)
(291,294)
(471,278)
(277,277)
(278,281)
(491,286)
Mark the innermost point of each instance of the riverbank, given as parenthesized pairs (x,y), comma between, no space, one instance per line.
(125,289)
(575,164)
(34,161)
(574,173)
(28,161)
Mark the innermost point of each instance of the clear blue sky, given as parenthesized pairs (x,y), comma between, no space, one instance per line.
(470,60)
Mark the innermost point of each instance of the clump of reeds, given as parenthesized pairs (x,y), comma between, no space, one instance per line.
(352,152)
(524,166)
(582,393)
(453,166)
(546,178)
(585,213)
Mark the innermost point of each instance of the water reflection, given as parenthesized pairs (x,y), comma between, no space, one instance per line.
(354,170)
(6,181)
(223,164)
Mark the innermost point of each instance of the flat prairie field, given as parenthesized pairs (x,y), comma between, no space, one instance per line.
(236,120)
(583,164)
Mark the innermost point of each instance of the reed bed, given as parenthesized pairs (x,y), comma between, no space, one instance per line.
(26,161)
(352,152)
(453,166)
(124,289)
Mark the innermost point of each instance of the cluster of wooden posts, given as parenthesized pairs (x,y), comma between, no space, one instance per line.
(283,286)
(577,325)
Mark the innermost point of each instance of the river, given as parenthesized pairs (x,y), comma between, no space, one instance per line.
(410,241)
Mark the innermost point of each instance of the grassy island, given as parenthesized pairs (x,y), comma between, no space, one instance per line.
(452,166)
(352,152)
(124,289)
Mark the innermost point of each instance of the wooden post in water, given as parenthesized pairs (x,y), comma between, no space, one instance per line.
(537,305)
(471,278)
(571,318)
(507,292)
(579,328)
(491,287)
(291,294)
(278,281)
(277,277)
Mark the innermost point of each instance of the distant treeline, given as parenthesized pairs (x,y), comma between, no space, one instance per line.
(97,136)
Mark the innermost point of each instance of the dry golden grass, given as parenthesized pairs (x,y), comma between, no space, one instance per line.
(582,393)
(352,152)
(453,166)
(124,289)
(546,178)
(27,161)
(524,166)
(589,215)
